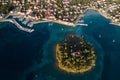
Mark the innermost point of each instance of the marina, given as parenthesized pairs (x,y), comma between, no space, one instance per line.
(23,46)
(22,28)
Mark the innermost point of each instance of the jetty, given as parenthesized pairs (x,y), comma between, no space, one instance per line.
(25,21)
(20,27)
(80,23)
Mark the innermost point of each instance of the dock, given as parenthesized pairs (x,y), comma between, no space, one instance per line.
(80,23)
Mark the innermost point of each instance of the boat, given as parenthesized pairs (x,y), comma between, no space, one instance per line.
(99,35)
(50,24)
(62,29)
(113,41)
(30,24)
(81,23)
(25,21)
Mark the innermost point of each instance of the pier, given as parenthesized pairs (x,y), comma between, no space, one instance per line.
(80,23)
(22,28)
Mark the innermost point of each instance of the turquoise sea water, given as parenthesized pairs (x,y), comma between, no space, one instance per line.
(31,56)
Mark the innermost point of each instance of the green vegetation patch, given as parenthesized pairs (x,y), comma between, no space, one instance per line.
(75,55)
(6,8)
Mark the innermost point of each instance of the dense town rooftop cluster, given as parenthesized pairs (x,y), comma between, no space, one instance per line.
(65,10)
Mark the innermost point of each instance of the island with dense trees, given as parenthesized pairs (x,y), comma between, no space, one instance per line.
(75,55)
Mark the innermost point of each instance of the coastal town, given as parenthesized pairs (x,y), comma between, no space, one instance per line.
(65,12)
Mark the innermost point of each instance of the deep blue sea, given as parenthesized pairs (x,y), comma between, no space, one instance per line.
(31,56)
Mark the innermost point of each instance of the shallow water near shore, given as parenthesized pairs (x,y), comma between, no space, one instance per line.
(31,56)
